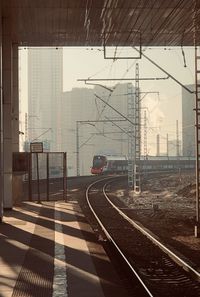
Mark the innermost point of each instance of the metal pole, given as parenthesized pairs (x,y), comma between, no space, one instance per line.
(137,181)
(131,136)
(30,177)
(197,117)
(64,176)
(47,176)
(38,178)
(196,227)
(77,150)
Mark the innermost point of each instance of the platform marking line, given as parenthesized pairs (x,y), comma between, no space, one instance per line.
(60,274)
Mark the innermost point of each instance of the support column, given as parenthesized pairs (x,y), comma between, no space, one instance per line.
(7,112)
(15,102)
(1,125)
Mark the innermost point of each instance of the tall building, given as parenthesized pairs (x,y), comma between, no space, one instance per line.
(77,105)
(81,107)
(188,122)
(45,85)
(60,119)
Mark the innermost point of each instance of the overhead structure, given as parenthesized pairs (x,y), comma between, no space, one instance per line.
(145,136)
(131,130)
(197,129)
(105,23)
(98,22)
(137,128)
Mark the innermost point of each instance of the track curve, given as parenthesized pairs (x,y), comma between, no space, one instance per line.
(156,272)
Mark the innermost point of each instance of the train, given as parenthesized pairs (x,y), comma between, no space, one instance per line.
(109,164)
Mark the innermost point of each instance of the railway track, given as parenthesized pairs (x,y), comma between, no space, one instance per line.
(153,266)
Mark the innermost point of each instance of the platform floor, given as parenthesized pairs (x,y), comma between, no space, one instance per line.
(50,250)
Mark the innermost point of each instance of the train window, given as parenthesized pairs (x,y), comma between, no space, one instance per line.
(98,161)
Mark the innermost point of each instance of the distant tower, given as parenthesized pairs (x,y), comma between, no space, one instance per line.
(131,139)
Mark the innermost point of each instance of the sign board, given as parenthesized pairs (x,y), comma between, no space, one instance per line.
(36,147)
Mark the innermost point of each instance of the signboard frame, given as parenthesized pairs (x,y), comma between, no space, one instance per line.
(36,147)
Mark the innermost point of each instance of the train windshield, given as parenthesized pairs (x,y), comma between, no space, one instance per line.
(98,161)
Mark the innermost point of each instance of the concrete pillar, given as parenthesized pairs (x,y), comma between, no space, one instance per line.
(7,112)
(1,126)
(15,102)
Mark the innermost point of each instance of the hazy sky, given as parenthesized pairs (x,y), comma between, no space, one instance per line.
(88,63)
(163,109)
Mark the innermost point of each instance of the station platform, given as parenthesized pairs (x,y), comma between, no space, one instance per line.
(49,249)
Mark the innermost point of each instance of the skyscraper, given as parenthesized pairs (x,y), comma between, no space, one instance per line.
(45,85)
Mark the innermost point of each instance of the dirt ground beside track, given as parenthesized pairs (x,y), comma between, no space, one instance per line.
(167,207)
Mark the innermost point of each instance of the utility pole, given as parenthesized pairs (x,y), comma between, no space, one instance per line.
(131,138)
(77,150)
(197,134)
(137,184)
(197,120)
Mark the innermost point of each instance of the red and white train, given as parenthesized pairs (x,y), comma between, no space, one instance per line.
(108,164)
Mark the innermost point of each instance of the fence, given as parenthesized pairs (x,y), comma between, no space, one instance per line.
(43,175)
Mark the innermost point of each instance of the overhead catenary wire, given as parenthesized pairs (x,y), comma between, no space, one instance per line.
(167,73)
(108,100)
(128,69)
(41,135)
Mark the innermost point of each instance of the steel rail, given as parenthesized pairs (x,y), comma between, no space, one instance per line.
(110,237)
(171,254)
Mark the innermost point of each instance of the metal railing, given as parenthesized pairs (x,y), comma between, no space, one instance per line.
(46,177)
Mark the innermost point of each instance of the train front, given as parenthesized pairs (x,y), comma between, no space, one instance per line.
(98,164)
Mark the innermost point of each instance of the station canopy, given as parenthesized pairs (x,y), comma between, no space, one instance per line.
(98,22)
